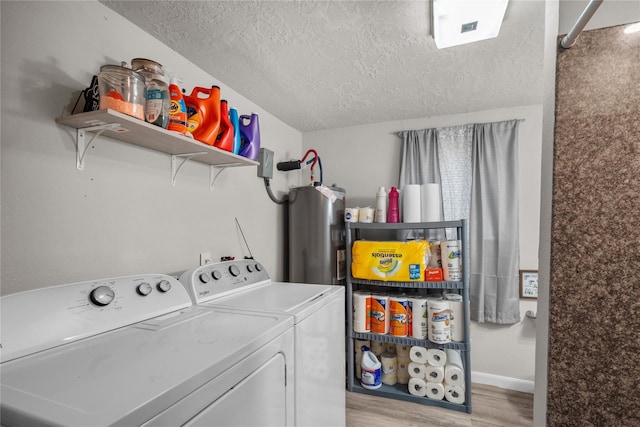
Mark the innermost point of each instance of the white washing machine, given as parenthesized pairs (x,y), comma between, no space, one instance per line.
(318,313)
(135,351)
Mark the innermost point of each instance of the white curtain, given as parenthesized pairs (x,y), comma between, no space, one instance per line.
(476,167)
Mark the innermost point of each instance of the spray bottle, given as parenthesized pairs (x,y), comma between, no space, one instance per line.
(177,110)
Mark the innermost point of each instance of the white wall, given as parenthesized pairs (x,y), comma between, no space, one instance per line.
(362,158)
(121,215)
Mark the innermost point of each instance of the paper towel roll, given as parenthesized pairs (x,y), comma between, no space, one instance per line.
(434,374)
(418,310)
(402,351)
(389,379)
(403,370)
(417,370)
(453,369)
(361,312)
(454,394)
(418,354)
(380,314)
(398,316)
(430,201)
(456,316)
(377,347)
(436,357)
(438,321)
(417,387)
(390,348)
(411,203)
(451,254)
(435,390)
(389,363)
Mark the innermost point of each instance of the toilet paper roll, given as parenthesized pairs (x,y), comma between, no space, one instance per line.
(403,379)
(434,374)
(430,201)
(366,214)
(456,316)
(402,351)
(418,354)
(378,347)
(403,371)
(389,363)
(389,379)
(434,390)
(361,312)
(454,394)
(451,254)
(351,214)
(418,311)
(417,387)
(453,369)
(417,370)
(390,348)
(438,321)
(436,357)
(411,203)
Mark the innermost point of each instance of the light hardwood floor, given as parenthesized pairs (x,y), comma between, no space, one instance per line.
(491,406)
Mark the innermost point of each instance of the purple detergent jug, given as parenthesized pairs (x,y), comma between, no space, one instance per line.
(235,121)
(250,136)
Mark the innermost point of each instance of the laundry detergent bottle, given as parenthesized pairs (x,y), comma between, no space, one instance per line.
(177,108)
(235,122)
(203,113)
(250,136)
(393,212)
(224,141)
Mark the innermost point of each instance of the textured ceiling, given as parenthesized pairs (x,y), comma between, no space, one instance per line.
(328,64)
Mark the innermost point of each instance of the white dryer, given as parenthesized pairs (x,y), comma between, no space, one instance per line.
(318,312)
(134,351)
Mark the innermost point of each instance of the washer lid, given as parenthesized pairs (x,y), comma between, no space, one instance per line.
(129,375)
(297,299)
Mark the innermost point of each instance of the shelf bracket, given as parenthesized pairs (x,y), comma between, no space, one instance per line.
(82,146)
(216,170)
(175,167)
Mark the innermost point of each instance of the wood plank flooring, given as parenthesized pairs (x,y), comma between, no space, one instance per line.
(492,407)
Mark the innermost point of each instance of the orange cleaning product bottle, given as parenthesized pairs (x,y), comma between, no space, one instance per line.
(203,113)
(226,134)
(177,110)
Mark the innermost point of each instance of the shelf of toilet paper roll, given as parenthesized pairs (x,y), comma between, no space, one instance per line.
(143,134)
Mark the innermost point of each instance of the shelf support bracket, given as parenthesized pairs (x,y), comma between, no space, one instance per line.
(175,167)
(82,146)
(216,170)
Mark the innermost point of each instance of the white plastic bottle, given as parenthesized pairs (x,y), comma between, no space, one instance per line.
(381,206)
(370,369)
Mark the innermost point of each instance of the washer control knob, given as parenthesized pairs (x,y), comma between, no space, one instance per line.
(216,275)
(102,295)
(164,286)
(234,270)
(258,267)
(250,268)
(144,289)
(204,278)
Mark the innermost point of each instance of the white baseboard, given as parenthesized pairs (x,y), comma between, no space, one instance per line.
(509,383)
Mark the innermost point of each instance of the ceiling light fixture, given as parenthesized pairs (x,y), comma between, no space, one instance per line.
(457,22)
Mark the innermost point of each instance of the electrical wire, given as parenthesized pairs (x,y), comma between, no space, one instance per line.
(267,186)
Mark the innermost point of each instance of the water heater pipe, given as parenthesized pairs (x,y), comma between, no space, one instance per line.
(571,37)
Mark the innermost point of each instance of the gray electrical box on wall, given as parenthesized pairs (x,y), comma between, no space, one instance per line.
(265,166)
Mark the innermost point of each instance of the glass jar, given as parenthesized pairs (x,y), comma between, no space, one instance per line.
(158,100)
(122,89)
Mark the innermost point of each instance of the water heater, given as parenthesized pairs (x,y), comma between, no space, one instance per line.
(316,235)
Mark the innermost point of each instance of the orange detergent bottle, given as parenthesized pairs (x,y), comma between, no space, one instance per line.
(177,110)
(203,113)
(226,134)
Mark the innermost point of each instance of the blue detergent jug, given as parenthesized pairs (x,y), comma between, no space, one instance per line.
(250,136)
(235,122)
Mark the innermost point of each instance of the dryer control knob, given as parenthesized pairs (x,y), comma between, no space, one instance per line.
(102,295)
(144,289)
(164,286)
(234,270)
(250,268)
(204,278)
(216,275)
(258,267)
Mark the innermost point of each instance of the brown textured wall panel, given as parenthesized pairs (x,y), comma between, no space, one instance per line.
(594,324)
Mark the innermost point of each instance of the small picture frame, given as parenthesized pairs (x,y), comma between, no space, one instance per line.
(529,284)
